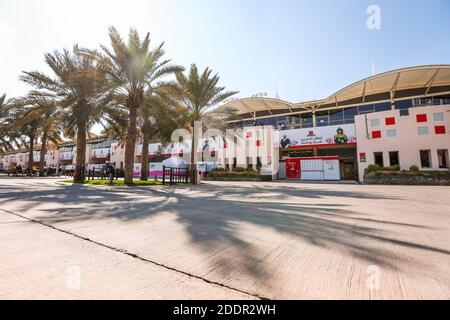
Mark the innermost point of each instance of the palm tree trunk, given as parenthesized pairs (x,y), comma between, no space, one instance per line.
(31,154)
(130,145)
(79,175)
(144,159)
(43,152)
(193,156)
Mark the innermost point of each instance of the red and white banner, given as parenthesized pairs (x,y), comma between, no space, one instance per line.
(321,136)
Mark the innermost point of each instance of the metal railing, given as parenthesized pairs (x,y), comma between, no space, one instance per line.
(176,176)
(102,174)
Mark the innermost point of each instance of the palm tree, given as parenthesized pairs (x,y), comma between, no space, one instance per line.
(160,115)
(132,68)
(41,111)
(79,87)
(201,97)
(26,127)
(7,135)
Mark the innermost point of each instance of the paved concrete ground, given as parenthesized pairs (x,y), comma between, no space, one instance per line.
(224,240)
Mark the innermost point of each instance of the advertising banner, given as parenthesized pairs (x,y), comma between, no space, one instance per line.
(321,136)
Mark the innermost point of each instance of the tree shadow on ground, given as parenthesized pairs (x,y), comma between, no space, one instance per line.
(213,216)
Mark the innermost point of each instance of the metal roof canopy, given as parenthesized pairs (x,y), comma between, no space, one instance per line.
(422,77)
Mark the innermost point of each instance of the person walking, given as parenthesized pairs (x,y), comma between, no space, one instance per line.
(110,170)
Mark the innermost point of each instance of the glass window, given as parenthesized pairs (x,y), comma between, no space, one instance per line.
(375,122)
(443,159)
(322,119)
(404,104)
(378,158)
(306,120)
(271,121)
(366,109)
(423,131)
(393,158)
(262,122)
(391,133)
(425,158)
(336,117)
(383,107)
(350,113)
(438,116)
(404,112)
(293,120)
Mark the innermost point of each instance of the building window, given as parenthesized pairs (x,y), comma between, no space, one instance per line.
(366,109)
(383,107)
(376,134)
(404,104)
(438,117)
(378,158)
(390,121)
(391,133)
(421,118)
(393,158)
(375,123)
(336,117)
(425,158)
(349,114)
(423,131)
(443,159)
(306,120)
(404,112)
(322,119)
(439,129)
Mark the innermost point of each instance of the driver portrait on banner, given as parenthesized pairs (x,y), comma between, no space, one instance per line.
(285,142)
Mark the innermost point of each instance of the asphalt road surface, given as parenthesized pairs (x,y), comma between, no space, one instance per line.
(223,241)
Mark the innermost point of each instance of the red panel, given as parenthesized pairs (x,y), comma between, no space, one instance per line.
(421,118)
(362,157)
(376,134)
(258,143)
(293,169)
(439,129)
(249,135)
(390,121)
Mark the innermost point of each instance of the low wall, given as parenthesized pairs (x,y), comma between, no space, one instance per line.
(408,178)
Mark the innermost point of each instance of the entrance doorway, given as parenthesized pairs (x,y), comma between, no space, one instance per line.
(348,170)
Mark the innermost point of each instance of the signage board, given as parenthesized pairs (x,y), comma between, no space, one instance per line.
(320,136)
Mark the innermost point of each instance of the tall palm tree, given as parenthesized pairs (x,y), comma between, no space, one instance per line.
(27,129)
(201,96)
(41,110)
(160,115)
(8,137)
(79,87)
(132,67)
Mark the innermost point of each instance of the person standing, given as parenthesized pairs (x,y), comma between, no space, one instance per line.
(110,170)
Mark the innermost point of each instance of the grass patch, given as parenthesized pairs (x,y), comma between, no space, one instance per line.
(118,183)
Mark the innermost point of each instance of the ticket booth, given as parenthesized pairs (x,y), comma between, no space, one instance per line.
(313,169)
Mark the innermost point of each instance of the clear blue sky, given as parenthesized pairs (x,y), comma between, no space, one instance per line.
(308,48)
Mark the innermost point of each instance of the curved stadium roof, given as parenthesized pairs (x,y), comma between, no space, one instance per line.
(388,86)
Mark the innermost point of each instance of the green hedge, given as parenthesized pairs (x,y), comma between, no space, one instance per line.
(240,173)
(430,174)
